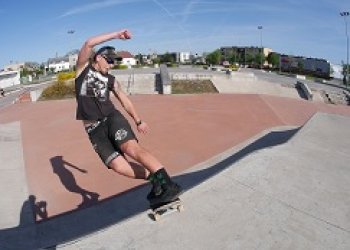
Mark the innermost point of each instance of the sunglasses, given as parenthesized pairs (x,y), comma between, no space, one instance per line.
(108,60)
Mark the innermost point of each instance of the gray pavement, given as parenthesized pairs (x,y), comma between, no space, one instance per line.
(289,196)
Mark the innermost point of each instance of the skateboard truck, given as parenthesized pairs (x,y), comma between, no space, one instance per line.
(166,208)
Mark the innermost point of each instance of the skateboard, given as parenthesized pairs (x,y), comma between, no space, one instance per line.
(166,208)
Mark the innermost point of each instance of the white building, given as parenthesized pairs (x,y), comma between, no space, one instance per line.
(63,63)
(126,58)
(336,71)
(58,64)
(73,60)
(9,78)
(184,57)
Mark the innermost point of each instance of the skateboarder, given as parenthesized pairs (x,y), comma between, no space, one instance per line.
(109,132)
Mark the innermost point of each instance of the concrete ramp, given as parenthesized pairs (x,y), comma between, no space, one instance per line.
(290,196)
(248,83)
(138,83)
(14,211)
(310,173)
(244,85)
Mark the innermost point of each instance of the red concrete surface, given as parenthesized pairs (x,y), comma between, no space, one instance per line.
(25,97)
(63,170)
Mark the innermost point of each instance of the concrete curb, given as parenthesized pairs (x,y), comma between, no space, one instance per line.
(12,178)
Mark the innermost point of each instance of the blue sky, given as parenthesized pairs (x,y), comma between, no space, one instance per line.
(37,30)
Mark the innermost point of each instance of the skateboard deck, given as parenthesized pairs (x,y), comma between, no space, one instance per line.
(166,208)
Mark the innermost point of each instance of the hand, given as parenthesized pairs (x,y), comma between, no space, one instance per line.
(143,128)
(124,34)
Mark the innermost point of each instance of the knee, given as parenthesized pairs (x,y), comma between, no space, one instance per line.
(130,148)
(133,149)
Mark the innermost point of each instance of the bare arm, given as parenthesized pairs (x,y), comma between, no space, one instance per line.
(86,49)
(142,127)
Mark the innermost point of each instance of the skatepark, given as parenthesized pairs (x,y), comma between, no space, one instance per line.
(262,168)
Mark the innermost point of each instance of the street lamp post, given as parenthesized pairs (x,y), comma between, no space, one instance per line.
(262,52)
(72,62)
(345,14)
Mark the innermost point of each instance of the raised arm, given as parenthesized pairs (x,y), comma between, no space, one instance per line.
(86,49)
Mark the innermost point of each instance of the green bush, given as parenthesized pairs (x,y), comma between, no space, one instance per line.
(172,65)
(120,66)
(63,76)
(59,90)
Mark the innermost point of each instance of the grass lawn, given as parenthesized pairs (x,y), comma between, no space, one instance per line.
(192,87)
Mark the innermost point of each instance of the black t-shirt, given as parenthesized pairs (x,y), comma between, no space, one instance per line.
(92,90)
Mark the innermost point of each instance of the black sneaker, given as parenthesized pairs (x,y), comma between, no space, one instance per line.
(170,192)
(156,191)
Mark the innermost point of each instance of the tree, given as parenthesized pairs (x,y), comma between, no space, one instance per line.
(214,57)
(300,67)
(274,60)
(25,72)
(156,60)
(259,59)
(139,57)
(233,58)
(167,58)
(249,59)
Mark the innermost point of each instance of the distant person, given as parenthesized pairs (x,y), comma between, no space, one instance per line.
(109,132)
(345,79)
(2,92)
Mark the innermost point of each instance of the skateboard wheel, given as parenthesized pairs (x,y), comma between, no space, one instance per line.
(180,208)
(156,217)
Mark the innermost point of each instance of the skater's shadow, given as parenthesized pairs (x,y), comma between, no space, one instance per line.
(39,208)
(24,235)
(60,168)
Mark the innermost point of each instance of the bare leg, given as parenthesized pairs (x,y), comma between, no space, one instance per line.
(131,170)
(163,188)
(141,155)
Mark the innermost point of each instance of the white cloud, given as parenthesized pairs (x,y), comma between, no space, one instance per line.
(188,9)
(95,6)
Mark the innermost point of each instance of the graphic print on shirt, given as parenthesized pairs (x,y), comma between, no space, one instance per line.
(95,85)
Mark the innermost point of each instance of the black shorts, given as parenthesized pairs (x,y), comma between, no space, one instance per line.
(107,135)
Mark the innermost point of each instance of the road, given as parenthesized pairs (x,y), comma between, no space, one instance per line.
(12,94)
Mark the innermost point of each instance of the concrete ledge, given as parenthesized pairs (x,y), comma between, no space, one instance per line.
(35,94)
(12,177)
(306,90)
(165,80)
(301,77)
(191,76)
